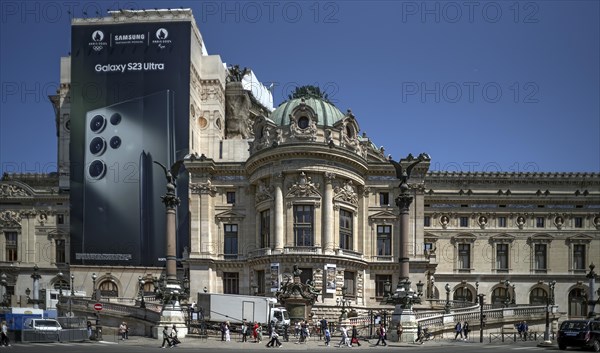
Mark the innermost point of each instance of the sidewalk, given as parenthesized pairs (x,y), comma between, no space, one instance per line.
(313,342)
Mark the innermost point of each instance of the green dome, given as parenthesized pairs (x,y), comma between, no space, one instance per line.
(326,112)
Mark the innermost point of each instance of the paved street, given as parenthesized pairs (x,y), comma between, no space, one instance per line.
(140,344)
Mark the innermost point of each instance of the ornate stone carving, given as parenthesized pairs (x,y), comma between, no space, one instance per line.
(482,220)
(263,192)
(10,190)
(304,187)
(10,218)
(559,221)
(444,220)
(303,123)
(262,135)
(346,193)
(203,188)
(237,111)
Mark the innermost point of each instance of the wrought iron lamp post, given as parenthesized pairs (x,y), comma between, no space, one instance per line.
(343,301)
(448,305)
(507,299)
(549,302)
(94,277)
(476,292)
(60,285)
(72,285)
(591,276)
(4,283)
(35,276)
(141,283)
(481,298)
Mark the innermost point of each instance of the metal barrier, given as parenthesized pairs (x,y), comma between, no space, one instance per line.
(65,335)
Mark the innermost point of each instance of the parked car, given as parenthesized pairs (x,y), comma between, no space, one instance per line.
(579,333)
(42,325)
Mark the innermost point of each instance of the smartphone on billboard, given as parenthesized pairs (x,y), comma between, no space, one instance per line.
(123,221)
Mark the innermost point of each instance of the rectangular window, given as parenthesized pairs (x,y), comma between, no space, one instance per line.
(380,284)
(346,230)
(501,222)
(427,247)
(303,225)
(349,281)
(539,222)
(231,197)
(60,218)
(427,221)
(60,251)
(502,257)
(384,199)
(231,283)
(464,256)
(231,241)
(579,256)
(265,229)
(540,257)
(306,274)
(384,240)
(11,246)
(260,281)
(578,222)
(464,221)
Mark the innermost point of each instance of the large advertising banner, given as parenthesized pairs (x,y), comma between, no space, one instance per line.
(274,277)
(330,284)
(129,108)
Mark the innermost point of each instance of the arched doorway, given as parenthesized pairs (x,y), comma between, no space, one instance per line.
(108,288)
(463,294)
(538,296)
(577,302)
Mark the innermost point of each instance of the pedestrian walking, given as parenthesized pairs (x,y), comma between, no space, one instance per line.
(222,331)
(382,335)
(4,340)
(122,330)
(354,337)
(255,331)
(89,329)
(466,329)
(166,338)
(524,330)
(399,330)
(244,331)
(259,334)
(323,323)
(274,339)
(419,334)
(327,336)
(174,340)
(227,334)
(345,341)
(458,330)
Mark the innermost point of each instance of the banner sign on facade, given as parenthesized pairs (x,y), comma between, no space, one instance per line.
(275,277)
(330,278)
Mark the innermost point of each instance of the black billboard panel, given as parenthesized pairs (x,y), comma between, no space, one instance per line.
(129,107)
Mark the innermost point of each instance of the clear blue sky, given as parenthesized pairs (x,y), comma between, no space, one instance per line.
(480,86)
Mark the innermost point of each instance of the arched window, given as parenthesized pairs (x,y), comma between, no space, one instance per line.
(463,294)
(538,296)
(499,297)
(108,289)
(148,288)
(577,303)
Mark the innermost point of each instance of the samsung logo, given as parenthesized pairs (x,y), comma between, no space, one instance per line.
(141,36)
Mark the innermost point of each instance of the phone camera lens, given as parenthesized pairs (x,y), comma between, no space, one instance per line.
(115,142)
(115,119)
(97,123)
(97,169)
(97,146)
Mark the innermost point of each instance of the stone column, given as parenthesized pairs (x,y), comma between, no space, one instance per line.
(279,213)
(328,215)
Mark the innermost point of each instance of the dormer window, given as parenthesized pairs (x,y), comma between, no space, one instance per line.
(303,122)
